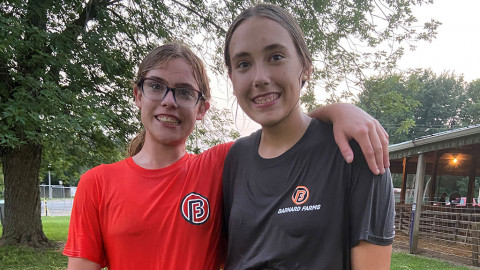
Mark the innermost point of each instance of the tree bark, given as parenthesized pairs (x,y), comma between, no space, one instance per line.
(22,223)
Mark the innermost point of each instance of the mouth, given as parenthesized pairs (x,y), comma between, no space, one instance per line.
(267,98)
(168,120)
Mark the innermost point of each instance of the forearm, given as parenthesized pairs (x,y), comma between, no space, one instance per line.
(367,256)
(350,122)
(322,114)
(329,113)
(82,264)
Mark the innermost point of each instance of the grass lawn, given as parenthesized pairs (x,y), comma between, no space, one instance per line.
(16,258)
(56,228)
(405,261)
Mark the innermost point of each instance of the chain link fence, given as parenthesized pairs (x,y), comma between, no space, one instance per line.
(56,200)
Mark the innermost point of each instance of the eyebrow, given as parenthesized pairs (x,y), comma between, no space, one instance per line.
(157,79)
(177,85)
(239,55)
(275,46)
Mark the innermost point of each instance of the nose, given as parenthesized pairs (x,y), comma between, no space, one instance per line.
(169,100)
(262,77)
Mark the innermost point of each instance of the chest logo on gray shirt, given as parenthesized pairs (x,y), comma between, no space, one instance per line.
(300,195)
(195,208)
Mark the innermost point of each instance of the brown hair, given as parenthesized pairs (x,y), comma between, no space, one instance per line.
(158,58)
(282,17)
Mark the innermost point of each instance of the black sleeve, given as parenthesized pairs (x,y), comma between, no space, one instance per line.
(228,185)
(371,205)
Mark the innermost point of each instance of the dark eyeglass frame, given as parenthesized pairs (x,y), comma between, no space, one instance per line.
(170,89)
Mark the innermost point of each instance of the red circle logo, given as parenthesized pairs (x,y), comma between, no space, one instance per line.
(195,208)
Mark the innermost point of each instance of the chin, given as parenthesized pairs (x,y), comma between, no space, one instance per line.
(267,121)
(167,138)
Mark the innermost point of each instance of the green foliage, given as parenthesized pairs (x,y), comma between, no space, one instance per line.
(391,100)
(462,186)
(216,128)
(2,183)
(308,99)
(66,66)
(66,72)
(442,100)
(417,103)
(471,112)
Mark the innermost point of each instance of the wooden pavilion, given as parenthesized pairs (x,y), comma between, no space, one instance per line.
(455,152)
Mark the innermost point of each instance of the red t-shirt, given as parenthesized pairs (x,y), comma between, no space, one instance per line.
(128,217)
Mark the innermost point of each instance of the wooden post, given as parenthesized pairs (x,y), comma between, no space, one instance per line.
(404,181)
(433,181)
(417,204)
(400,216)
(471,178)
(475,242)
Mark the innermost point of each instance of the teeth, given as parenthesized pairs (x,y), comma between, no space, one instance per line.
(266,99)
(167,119)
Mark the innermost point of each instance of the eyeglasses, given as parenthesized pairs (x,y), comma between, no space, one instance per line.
(184,96)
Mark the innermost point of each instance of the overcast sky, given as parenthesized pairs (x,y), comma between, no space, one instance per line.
(457,46)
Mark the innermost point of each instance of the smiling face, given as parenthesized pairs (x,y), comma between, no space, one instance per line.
(266,71)
(165,122)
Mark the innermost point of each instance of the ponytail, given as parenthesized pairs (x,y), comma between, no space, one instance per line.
(136,144)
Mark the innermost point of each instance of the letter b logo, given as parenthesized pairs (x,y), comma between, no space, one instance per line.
(195,208)
(300,195)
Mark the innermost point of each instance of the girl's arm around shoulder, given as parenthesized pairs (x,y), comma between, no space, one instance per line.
(350,122)
(218,151)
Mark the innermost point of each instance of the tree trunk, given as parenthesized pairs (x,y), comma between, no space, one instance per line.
(22,223)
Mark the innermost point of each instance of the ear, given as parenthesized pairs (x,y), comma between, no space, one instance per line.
(202,109)
(138,96)
(307,72)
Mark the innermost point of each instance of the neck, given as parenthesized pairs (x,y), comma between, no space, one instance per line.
(155,155)
(278,138)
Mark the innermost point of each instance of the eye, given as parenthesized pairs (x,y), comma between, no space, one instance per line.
(243,65)
(185,93)
(277,57)
(156,86)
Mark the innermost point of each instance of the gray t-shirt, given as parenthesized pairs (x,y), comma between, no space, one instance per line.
(304,209)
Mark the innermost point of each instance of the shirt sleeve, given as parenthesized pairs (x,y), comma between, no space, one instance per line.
(84,234)
(371,205)
(220,151)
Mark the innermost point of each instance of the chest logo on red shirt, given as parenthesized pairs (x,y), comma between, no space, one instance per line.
(300,195)
(195,208)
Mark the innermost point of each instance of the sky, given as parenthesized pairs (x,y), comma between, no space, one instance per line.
(457,46)
(455,49)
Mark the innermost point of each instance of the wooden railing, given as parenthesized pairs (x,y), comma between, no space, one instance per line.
(445,229)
